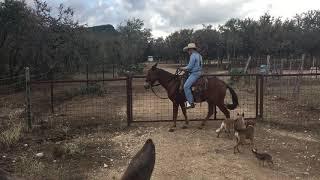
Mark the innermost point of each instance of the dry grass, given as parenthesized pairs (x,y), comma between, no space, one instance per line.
(33,168)
(29,167)
(74,148)
(11,136)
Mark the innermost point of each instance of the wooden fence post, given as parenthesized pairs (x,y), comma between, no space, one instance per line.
(129,100)
(87,73)
(51,91)
(28,102)
(261,94)
(257,96)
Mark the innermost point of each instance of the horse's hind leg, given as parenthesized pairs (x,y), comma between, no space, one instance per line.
(184,111)
(210,112)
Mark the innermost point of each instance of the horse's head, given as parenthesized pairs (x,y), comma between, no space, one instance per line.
(152,76)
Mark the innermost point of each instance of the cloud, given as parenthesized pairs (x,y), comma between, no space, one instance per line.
(166,16)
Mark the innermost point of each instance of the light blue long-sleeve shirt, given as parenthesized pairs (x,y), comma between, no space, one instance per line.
(195,63)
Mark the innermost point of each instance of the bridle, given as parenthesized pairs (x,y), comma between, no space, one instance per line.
(176,74)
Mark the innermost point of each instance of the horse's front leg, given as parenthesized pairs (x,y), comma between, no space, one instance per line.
(184,111)
(175,115)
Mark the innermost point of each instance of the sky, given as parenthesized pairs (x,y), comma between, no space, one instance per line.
(167,16)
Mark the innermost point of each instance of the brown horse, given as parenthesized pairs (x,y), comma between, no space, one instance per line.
(214,94)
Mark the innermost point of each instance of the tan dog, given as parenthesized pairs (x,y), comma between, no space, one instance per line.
(228,125)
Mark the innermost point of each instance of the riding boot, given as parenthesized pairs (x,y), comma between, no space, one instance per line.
(189,105)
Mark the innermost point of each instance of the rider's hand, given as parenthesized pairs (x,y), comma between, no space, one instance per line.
(183,69)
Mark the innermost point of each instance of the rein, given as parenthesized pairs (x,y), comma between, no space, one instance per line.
(156,93)
(175,75)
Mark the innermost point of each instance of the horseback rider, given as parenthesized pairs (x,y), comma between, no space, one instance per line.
(194,69)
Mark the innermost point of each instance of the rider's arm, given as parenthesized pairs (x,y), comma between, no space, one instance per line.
(191,63)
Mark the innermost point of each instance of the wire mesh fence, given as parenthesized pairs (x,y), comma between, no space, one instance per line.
(292,100)
(148,107)
(78,102)
(288,99)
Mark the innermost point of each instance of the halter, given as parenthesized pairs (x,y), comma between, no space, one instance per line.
(177,73)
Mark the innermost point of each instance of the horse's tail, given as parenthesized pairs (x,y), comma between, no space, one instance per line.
(234,97)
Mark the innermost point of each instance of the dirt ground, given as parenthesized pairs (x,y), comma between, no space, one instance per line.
(102,146)
(198,154)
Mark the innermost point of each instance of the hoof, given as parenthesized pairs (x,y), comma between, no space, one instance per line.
(184,127)
(171,130)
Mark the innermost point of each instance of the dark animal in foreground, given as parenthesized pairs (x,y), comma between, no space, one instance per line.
(264,157)
(241,136)
(142,164)
(214,94)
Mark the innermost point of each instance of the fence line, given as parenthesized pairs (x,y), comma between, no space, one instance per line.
(142,106)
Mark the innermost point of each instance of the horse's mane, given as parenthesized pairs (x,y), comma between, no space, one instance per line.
(164,72)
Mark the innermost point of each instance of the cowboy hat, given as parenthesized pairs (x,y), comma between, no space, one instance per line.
(190,46)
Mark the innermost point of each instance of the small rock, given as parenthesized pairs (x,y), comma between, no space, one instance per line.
(13,161)
(93,118)
(4,156)
(40,154)
(305,131)
(105,165)
(306,173)
(25,145)
(297,177)
(54,161)
(111,160)
(313,156)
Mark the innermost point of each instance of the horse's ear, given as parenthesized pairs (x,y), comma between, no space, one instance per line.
(154,66)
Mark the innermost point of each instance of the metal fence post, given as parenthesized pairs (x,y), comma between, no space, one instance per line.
(129,99)
(28,102)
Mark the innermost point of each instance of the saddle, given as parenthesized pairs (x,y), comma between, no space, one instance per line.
(198,88)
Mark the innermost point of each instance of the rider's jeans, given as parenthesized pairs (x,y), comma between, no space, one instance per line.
(187,85)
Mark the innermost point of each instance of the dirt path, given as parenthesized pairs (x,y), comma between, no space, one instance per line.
(198,154)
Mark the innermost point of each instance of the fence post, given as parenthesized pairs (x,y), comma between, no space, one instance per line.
(51,91)
(261,95)
(129,99)
(103,73)
(257,96)
(87,69)
(28,102)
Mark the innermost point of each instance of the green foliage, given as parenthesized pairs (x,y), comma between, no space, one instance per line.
(91,89)
(235,72)
(37,37)
(133,68)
